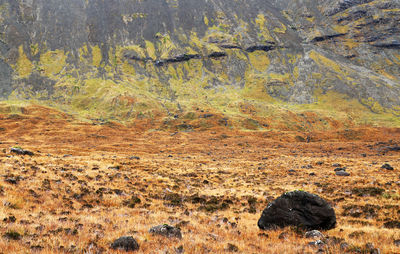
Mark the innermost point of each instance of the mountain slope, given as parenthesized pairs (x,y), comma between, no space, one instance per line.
(256,63)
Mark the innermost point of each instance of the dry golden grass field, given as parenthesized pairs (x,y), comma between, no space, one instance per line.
(86,185)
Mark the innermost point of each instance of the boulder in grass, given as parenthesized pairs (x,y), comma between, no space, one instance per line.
(300,209)
(387,166)
(20,151)
(166,230)
(342,173)
(126,243)
(314,234)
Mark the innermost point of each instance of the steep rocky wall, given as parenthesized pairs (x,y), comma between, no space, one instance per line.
(130,58)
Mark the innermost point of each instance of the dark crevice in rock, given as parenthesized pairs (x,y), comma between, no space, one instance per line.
(186,57)
(326,37)
(137,58)
(265,48)
(228,46)
(388,45)
(177,59)
(217,55)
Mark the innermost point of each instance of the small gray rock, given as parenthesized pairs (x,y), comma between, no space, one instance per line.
(166,230)
(21,151)
(342,173)
(232,248)
(179,250)
(387,167)
(315,234)
(317,243)
(126,243)
(397,242)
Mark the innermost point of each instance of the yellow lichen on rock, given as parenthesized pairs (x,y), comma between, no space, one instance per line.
(24,66)
(52,62)
(259,60)
(151,50)
(262,26)
(328,63)
(96,56)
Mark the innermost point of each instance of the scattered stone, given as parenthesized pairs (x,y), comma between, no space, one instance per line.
(166,230)
(179,250)
(336,165)
(317,243)
(342,173)
(126,243)
(232,248)
(134,158)
(20,151)
(387,167)
(397,242)
(340,169)
(315,234)
(298,208)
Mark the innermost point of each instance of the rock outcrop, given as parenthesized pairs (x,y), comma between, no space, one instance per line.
(144,58)
(300,209)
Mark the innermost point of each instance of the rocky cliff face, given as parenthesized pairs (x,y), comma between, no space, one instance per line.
(144,58)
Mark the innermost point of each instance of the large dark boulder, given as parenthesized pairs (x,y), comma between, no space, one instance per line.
(298,208)
(126,243)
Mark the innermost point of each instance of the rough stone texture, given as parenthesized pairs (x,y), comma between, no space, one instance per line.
(387,167)
(296,50)
(342,173)
(315,234)
(21,151)
(298,208)
(166,230)
(126,243)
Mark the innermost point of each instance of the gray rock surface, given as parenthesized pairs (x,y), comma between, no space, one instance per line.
(50,49)
(166,230)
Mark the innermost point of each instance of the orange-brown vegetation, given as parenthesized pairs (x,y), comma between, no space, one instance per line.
(90,183)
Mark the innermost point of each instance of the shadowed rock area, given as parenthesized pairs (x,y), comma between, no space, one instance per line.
(300,209)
